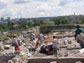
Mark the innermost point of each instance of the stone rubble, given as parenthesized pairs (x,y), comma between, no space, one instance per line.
(18,59)
(67,47)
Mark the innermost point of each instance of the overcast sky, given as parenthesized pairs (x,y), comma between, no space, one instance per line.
(40,8)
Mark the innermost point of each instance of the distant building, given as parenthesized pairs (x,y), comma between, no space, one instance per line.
(8,19)
(74,18)
(48,22)
(2,19)
(15,21)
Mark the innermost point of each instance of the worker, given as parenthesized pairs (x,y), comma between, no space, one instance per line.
(46,49)
(78,31)
(15,43)
(41,37)
(32,36)
(54,46)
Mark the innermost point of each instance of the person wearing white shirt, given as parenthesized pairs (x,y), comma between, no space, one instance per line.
(15,43)
(54,46)
(41,37)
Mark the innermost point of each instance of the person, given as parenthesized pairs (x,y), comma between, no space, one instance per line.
(54,46)
(36,44)
(41,37)
(46,49)
(15,43)
(78,31)
(32,37)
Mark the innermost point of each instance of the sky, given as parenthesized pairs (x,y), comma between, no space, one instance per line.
(40,8)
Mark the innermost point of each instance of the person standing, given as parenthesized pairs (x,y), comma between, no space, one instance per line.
(78,31)
(41,37)
(15,43)
(33,36)
(54,46)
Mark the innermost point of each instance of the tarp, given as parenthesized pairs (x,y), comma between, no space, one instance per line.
(49,39)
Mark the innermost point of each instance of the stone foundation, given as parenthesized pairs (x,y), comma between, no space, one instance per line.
(47,29)
(5,58)
(55,60)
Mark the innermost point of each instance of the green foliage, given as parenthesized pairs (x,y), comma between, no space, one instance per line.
(10,25)
(61,20)
(25,24)
(17,27)
(81,19)
(4,27)
(27,27)
(29,24)
(38,22)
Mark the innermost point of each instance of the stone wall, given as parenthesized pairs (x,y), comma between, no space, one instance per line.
(80,39)
(55,60)
(48,29)
(5,58)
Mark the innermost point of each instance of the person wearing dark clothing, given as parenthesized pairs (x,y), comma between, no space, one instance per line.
(78,31)
(54,46)
(48,50)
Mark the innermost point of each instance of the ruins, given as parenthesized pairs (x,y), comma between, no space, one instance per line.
(69,48)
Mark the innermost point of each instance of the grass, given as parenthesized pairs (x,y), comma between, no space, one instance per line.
(3,36)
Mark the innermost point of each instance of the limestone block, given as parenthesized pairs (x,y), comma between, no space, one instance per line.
(10,61)
(71,47)
(6,46)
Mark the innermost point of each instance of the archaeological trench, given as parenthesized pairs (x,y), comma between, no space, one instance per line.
(70,49)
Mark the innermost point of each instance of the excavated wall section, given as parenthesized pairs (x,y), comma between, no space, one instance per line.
(55,60)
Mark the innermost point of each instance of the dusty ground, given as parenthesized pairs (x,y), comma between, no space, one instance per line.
(67,45)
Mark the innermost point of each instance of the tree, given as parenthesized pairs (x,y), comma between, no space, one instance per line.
(10,25)
(30,24)
(27,27)
(4,27)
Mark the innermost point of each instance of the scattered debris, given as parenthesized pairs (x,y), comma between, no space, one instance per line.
(67,46)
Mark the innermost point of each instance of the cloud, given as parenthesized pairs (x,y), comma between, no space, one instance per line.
(41,0)
(63,2)
(2,5)
(21,1)
(40,8)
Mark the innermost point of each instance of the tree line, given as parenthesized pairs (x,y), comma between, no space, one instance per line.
(23,24)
